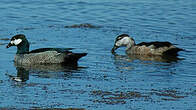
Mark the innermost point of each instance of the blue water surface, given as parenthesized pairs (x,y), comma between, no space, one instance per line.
(102,81)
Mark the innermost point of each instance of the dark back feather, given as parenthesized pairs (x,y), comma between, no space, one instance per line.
(72,58)
(59,50)
(156,44)
(172,52)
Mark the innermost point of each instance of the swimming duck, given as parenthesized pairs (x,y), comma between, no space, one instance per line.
(145,48)
(43,55)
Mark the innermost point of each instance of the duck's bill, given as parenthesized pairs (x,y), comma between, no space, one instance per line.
(9,45)
(114,48)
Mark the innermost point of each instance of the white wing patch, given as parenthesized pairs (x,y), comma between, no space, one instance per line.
(16,41)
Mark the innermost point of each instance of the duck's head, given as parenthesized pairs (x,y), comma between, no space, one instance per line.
(21,42)
(17,40)
(123,40)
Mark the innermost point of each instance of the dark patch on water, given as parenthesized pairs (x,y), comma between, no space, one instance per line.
(43,39)
(5,39)
(25,28)
(85,25)
(169,94)
(118,97)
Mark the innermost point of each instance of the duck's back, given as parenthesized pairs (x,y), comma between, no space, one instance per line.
(154,48)
(155,44)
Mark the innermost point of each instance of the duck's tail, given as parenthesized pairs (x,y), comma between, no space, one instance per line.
(173,51)
(72,58)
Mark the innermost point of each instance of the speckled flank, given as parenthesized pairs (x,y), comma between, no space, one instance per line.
(40,58)
(149,50)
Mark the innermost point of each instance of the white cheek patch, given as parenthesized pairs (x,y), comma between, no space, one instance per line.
(123,42)
(16,41)
(118,43)
(12,42)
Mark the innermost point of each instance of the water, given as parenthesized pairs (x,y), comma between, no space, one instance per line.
(102,81)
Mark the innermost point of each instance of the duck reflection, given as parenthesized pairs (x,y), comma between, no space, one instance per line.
(47,67)
(22,75)
(43,71)
(155,58)
(122,61)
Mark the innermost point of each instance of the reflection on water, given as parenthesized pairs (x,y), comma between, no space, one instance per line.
(22,75)
(129,62)
(47,67)
(42,70)
(130,58)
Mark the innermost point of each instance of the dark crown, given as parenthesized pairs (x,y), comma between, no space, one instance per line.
(121,36)
(18,36)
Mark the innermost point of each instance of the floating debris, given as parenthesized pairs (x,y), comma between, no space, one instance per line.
(43,39)
(167,93)
(6,39)
(25,28)
(31,28)
(118,97)
(85,25)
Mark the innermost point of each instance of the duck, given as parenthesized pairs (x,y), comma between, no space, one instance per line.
(42,55)
(155,48)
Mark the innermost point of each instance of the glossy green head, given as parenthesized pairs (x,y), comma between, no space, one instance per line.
(21,42)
